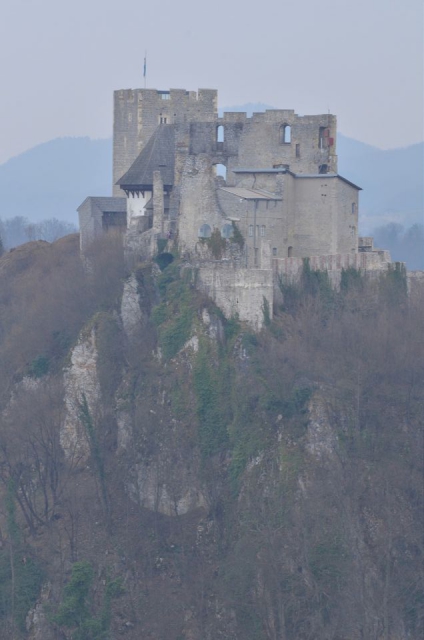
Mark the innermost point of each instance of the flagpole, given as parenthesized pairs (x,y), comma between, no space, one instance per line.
(145,68)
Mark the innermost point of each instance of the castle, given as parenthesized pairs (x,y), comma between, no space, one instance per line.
(246,199)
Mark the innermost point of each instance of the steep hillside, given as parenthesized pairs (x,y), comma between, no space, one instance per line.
(167,474)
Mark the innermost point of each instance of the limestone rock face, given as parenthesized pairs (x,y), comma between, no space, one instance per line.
(171,491)
(130,306)
(322,441)
(80,381)
(37,625)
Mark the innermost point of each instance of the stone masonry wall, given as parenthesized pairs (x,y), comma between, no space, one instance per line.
(290,269)
(198,201)
(323,219)
(137,113)
(260,143)
(90,223)
(237,291)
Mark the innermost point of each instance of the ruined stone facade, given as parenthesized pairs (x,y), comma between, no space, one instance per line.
(137,113)
(265,189)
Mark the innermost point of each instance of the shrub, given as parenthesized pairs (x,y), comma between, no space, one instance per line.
(39,367)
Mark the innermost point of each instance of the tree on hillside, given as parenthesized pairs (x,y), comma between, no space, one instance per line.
(18,230)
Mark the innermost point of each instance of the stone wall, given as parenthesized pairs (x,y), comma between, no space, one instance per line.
(198,201)
(237,291)
(415,282)
(323,218)
(313,216)
(90,224)
(247,142)
(137,113)
(261,141)
(290,269)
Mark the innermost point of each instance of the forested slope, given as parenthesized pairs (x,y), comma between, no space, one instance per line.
(167,474)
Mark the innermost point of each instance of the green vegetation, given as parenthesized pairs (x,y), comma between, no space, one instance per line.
(266,312)
(163,260)
(216,244)
(21,576)
(237,236)
(175,315)
(75,611)
(394,286)
(39,367)
(351,279)
(161,244)
(211,381)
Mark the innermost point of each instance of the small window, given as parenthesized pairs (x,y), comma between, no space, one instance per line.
(221,171)
(205,231)
(353,207)
(262,231)
(285,134)
(290,252)
(274,251)
(298,151)
(164,95)
(323,168)
(220,133)
(251,230)
(163,119)
(227,231)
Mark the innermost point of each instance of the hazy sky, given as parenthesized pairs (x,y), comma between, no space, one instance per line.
(61,61)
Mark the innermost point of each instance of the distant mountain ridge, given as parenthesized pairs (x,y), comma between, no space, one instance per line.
(52,179)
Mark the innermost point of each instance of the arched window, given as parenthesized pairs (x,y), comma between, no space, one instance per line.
(290,252)
(353,207)
(227,231)
(285,134)
(274,251)
(323,168)
(220,133)
(205,231)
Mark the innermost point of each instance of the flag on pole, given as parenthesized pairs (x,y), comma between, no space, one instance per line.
(145,66)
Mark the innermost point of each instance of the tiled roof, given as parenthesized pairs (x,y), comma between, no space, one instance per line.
(157,155)
(105,204)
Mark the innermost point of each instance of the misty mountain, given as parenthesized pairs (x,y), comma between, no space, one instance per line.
(392,181)
(52,179)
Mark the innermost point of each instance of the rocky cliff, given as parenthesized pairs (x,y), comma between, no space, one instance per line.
(168,473)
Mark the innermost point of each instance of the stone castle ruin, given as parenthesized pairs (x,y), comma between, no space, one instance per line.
(246,199)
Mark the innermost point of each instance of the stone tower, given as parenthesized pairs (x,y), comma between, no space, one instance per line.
(137,113)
